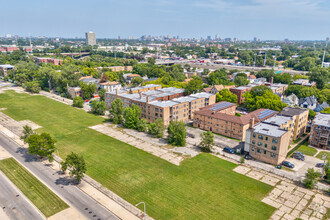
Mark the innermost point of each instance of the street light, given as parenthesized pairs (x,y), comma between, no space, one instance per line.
(144,207)
(324,156)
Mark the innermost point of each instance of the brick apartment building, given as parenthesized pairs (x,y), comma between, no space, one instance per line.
(4,68)
(220,118)
(267,142)
(239,92)
(118,68)
(48,60)
(320,131)
(284,122)
(8,48)
(300,117)
(165,103)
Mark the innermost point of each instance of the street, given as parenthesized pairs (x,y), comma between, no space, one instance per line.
(61,186)
(14,203)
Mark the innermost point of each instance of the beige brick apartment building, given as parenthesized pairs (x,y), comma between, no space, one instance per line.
(300,116)
(267,142)
(220,118)
(167,103)
(320,131)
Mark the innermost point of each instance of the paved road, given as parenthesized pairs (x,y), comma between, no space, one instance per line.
(14,204)
(74,196)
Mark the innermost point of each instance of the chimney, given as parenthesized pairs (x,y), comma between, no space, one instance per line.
(140,95)
(148,99)
(117,91)
(251,122)
(271,80)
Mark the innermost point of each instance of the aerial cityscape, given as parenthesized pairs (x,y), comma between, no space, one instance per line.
(165,110)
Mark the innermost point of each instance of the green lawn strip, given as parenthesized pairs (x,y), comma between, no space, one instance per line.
(204,187)
(303,148)
(42,197)
(320,154)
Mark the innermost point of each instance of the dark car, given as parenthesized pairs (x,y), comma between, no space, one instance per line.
(247,157)
(287,164)
(228,150)
(320,165)
(298,157)
(299,153)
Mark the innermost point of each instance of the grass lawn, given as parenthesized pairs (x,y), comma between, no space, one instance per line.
(204,187)
(39,194)
(319,155)
(303,148)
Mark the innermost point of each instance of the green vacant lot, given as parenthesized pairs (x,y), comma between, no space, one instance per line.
(303,148)
(319,155)
(204,187)
(39,194)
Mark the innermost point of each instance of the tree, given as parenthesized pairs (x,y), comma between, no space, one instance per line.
(117,111)
(218,77)
(137,81)
(241,79)
(207,142)
(151,61)
(319,75)
(226,95)
(326,110)
(311,178)
(98,107)
(32,87)
(87,90)
(76,165)
(42,145)
(311,114)
(261,97)
(157,128)
(78,102)
(132,116)
(27,132)
(194,85)
(176,133)
(142,125)
(102,94)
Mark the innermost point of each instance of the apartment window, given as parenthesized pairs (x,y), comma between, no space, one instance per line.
(265,152)
(260,137)
(254,135)
(252,149)
(259,144)
(272,154)
(273,148)
(265,145)
(259,151)
(156,114)
(275,140)
(266,138)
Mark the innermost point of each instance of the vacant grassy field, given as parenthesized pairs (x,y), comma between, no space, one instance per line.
(39,194)
(204,187)
(319,155)
(303,148)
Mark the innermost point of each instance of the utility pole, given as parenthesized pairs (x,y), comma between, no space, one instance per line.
(326,45)
(265,58)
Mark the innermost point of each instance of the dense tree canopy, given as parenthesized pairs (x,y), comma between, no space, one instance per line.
(176,133)
(226,95)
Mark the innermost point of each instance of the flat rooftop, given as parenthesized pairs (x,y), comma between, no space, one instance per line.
(291,111)
(322,120)
(184,99)
(163,103)
(269,130)
(202,95)
(278,120)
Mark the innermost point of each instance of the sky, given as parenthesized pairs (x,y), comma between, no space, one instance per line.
(244,19)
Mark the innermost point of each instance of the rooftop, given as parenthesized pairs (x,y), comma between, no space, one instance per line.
(184,99)
(322,120)
(278,120)
(202,95)
(291,111)
(163,103)
(269,130)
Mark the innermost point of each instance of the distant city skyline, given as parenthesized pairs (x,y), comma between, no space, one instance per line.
(264,19)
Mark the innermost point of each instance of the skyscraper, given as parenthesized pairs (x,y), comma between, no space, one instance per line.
(90,38)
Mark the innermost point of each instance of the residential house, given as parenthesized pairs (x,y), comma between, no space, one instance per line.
(309,102)
(321,107)
(304,82)
(291,100)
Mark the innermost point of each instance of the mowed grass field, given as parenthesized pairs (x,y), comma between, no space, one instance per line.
(204,187)
(39,194)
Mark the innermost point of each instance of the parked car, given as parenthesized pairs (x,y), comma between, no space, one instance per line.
(86,100)
(299,153)
(247,157)
(320,165)
(298,157)
(228,150)
(287,164)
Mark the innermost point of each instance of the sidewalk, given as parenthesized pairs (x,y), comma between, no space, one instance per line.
(114,204)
